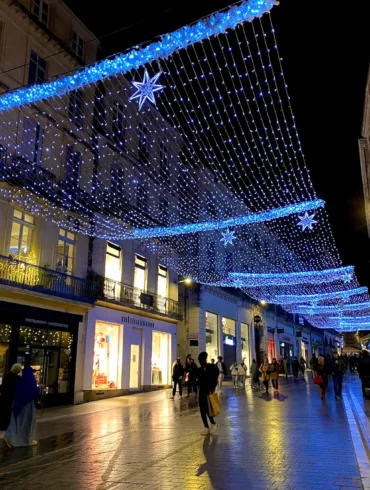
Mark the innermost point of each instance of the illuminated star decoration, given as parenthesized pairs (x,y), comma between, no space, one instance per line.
(347,277)
(307,221)
(146,88)
(228,237)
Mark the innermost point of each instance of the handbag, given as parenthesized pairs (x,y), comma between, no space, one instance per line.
(318,380)
(187,377)
(213,405)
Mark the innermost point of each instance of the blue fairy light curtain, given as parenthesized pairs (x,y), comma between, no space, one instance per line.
(190,146)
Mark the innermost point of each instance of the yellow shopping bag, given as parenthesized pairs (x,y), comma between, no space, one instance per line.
(213,405)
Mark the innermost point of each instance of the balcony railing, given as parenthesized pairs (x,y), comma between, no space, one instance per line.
(116,292)
(39,279)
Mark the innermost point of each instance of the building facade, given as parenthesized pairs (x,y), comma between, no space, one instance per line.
(94,318)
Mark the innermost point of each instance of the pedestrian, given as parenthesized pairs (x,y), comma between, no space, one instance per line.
(191,371)
(363,370)
(177,375)
(207,382)
(286,366)
(212,361)
(295,367)
(242,372)
(322,370)
(302,365)
(7,391)
(234,373)
(255,374)
(221,367)
(265,370)
(337,368)
(21,430)
(274,367)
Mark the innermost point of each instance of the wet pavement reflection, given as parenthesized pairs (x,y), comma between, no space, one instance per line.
(267,442)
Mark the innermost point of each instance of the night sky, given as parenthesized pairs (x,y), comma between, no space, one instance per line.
(326,53)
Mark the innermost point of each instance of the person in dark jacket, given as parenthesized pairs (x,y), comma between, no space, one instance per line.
(363,370)
(322,370)
(7,390)
(177,375)
(191,371)
(295,367)
(207,382)
(338,368)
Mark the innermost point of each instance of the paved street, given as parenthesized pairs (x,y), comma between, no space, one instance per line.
(290,441)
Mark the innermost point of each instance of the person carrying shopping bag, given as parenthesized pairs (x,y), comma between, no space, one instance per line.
(207,382)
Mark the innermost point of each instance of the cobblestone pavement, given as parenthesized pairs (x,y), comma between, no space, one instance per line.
(268,442)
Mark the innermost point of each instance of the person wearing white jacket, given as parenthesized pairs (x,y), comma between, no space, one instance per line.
(242,372)
(234,373)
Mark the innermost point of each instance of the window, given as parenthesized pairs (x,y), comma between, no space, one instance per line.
(161,355)
(37,69)
(113,262)
(32,141)
(212,335)
(21,235)
(228,327)
(73,166)
(107,357)
(5,335)
(41,10)
(66,249)
(75,111)
(118,124)
(163,210)
(143,144)
(117,179)
(163,162)
(140,272)
(78,45)
(162,281)
(244,333)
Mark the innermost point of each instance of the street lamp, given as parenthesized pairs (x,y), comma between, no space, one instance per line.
(263,302)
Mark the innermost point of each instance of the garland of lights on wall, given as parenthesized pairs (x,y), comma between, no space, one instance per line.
(188,146)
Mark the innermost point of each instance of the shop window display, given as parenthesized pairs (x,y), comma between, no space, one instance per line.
(106,356)
(5,333)
(212,335)
(160,358)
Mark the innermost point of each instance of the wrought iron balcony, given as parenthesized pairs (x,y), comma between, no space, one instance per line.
(119,293)
(39,279)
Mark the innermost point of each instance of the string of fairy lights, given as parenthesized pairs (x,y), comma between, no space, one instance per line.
(188,145)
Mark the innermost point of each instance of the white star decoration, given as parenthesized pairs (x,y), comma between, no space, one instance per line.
(347,277)
(146,88)
(228,237)
(307,221)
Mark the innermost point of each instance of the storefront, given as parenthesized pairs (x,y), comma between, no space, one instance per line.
(126,353)
(271,348)
(229,336)
(46,340)
(286,344)
(212,337)
(245,344)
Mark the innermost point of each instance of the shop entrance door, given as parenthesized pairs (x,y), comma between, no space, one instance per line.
(134,367)
(51,372)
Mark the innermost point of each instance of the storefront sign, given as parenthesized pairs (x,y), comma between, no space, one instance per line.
(229,341)
(138,322)
(44,323)
(257,319)
(192,336)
